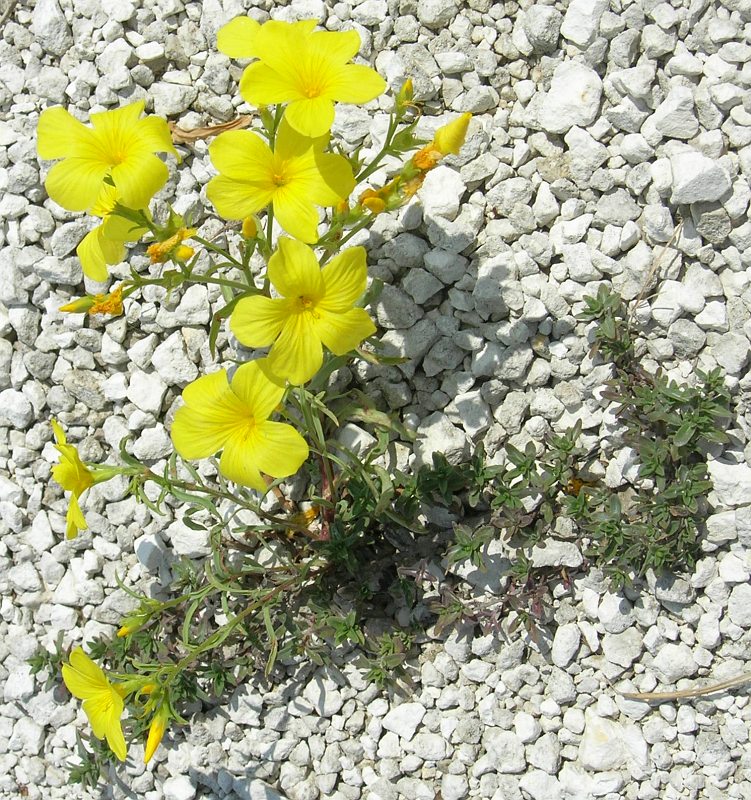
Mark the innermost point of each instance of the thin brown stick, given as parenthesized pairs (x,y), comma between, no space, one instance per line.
(738,680)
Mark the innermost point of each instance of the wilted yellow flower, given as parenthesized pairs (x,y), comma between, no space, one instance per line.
(105,244)
(159,252)
(102,700)
(316,308)
(295,177)
(74,477)
(119,147)
(234,418)
(307,69)
(111,303)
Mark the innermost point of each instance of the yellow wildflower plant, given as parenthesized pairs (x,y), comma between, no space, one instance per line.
(119,148)
(234,418)
(105,244)
(74,477)
(307,69)
(294,178)
(316,308)
(102,701)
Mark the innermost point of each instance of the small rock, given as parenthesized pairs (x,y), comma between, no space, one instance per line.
(542,25)
(505,751)
(179,788)
(675,661)
(622,648)
(730,482)
(675,117)
(404,719)
(696,178)
(565,644)
(739,605)
(573,99)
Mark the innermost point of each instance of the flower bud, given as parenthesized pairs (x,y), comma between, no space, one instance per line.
(405,95)
(450,138)
(156,732)
(249,228)
(79,306)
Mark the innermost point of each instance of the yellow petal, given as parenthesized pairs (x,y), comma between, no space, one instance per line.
(345,279)
(234,199)
(344,332)
(59,134)
(58,431)
(295,212)
(297,354)
(139,178)
(261,85)
(356,83)
(311,116)
(90,251)
(211,414)
(256,321)
(335,46)
(235,39)
(237,465)
(75,183)
(120,229)
(153,134)
(257,389)
(242,155)
(74,519)
(278,449)
(334,181)
(83,677)
(104,711)
(294,270)
(279,43)
(114,126)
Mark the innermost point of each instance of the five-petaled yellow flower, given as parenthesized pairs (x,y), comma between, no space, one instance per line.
(307,69)
(316,306)
(102,700)
(105,244)
(74,477)
(234,418)
(120,148)
(295,177)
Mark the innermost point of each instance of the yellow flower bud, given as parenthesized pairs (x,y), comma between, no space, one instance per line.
(159,252)
(450,138)
(184,252)
(156,732)
(374,204)
(79,306)
(249,228)
(406,94)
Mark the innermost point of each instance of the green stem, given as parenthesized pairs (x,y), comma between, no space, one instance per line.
(382,153)
(218,250)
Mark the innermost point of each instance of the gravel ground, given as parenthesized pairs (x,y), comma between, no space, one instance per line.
(598,128)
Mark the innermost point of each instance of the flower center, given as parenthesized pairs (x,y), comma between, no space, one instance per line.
(306,305)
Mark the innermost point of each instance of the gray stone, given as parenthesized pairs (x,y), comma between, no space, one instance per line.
(608,745)
(675,661)
(545,753)
(171,99)
(622,648)
(404,719)
(395,309)
(696,178)
(542,25)
(15,409)
(739,605)
(675,117)
(582,21)
(554,553)
(731,350)
(436,14)
(436,434)
(565,644)
(505,751)
(573,98)
(50,28)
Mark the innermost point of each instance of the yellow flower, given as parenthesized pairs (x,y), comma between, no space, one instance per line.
(159,252)
(156,732)
(102,701)
(74,477)
(105,244)
(307,69)
(234,418)
(111,303)
(316,307)
(294,177)
(119,147)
